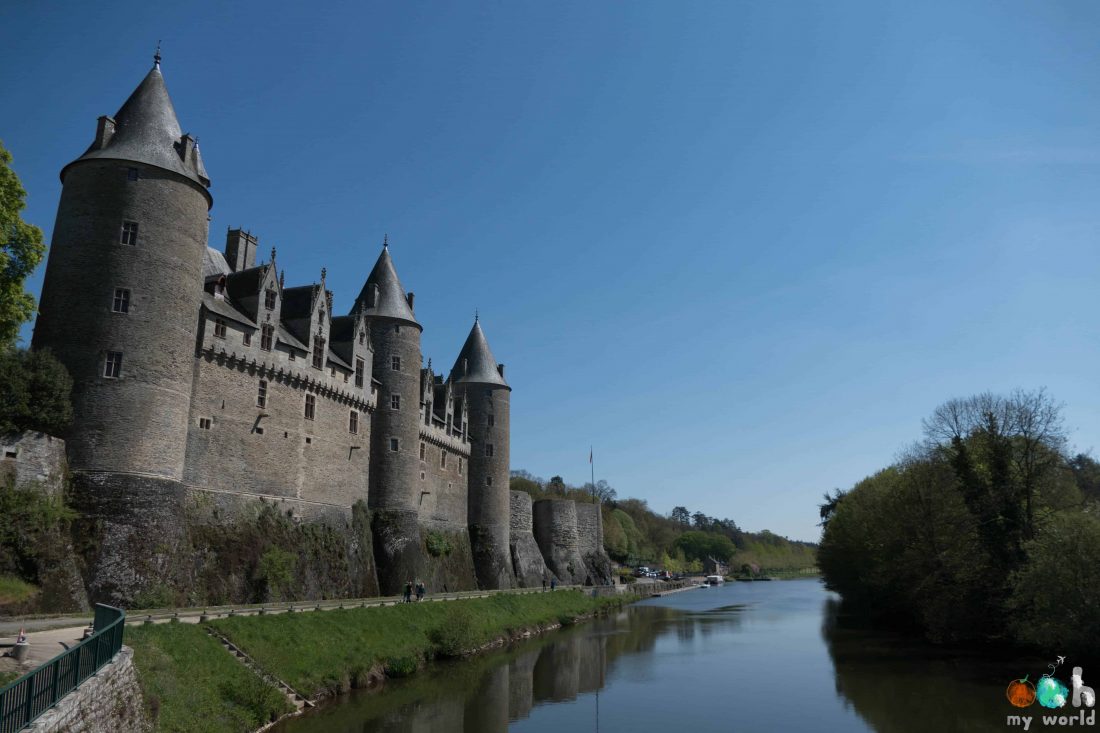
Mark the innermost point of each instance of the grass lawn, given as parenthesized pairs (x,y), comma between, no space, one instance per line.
(14,590)
(332,651)
(190,683)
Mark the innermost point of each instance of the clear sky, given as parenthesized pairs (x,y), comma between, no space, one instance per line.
(742,248)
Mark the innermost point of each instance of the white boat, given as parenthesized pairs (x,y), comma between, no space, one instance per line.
(715,580)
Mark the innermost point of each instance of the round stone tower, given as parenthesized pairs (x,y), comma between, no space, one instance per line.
(120,300)
(480,379)
(393,492)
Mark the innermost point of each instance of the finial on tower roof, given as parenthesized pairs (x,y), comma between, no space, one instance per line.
(156,57)
(272,254)
(282,279)
(323,273)
(386,240)
(476,315)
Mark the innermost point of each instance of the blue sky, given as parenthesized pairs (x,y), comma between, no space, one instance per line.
(740,247)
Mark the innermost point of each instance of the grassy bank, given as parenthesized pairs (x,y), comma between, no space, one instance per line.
(190,683)
(332,651)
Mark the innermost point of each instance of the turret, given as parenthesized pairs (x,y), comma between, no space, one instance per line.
(480,384)
(395,435)
(123,284)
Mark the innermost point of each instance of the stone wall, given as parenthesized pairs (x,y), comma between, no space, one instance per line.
(442,492)
(275,450)
(530,568)
(109,700)
(589,528)
(34,458)
(555,529)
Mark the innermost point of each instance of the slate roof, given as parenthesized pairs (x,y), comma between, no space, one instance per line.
(246,282)
(147,131)
(223,308)
(481,367)
(214,264)
(297,302)
(391,302)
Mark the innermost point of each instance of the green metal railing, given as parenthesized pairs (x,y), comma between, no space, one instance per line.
(39,690)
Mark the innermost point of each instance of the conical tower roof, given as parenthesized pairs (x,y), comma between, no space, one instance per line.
(475,363)
(382,295)
(147,131)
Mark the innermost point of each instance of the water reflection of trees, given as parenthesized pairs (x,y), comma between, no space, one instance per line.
(897,683)
(484,693)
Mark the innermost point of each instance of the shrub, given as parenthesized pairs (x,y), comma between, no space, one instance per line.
(35,391)
(437,543)
(455,635)
(401,666)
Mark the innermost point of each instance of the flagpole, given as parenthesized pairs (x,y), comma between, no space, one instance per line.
(592,465)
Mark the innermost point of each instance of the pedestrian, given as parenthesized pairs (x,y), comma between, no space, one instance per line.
(408,591)
(419,590)
(544,581)
(553,583)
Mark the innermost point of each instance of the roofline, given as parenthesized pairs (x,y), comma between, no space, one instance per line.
(203,189)
(406,321)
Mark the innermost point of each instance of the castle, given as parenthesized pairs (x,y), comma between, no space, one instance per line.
(204,384)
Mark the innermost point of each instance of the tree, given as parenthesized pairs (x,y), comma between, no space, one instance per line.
(701,545)
(21,249)
(700,520)
(828,509)
(681,515)
(35,391)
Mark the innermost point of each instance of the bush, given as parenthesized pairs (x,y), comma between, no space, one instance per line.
(437,544)
(35,392)
(455,635)
(401,666)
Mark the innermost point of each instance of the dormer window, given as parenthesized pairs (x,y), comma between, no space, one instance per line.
(269,299)
(359,369)
(267,336)
(362,337)
(321,317)
(219,328)
(318,352)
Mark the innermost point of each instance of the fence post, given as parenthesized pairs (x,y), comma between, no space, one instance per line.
(28,707)
(53,682)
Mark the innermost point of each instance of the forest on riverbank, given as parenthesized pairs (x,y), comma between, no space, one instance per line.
(986,529)
(682,541)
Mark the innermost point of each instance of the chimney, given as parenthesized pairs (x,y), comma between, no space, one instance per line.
(240,249)
(410,297)
(104,131)
(500,370)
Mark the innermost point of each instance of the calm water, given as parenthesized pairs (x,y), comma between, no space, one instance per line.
(742,657)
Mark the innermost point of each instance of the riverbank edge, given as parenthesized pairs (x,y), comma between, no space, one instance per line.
(378,675)
(409,651)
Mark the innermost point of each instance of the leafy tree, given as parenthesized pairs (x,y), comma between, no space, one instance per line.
(21,249)
(681,515)
(701,545)
(35,391)
(828,508)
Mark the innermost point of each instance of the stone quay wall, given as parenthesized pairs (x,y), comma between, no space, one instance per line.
(109,700)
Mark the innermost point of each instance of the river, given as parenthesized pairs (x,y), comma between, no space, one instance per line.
(772,656)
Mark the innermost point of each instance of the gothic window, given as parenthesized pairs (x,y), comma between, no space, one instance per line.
(443,458)
(132,174)
(219,328)
(261,394)
(395,445)
(488,450)
(267,336)
(318,352)
(395,402)
(129,232)
(112,367)
(311,406)
(395,363)
(353,422)
(121,303)
(269,299)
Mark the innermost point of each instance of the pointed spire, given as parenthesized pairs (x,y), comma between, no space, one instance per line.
(475,363)
(147,131)
(389,299)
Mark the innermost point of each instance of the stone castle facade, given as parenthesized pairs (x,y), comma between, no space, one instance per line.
(203,383)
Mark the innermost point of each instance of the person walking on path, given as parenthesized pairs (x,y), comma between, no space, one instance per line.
(553,583)
(419,590)
(408,591)
(544,580)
